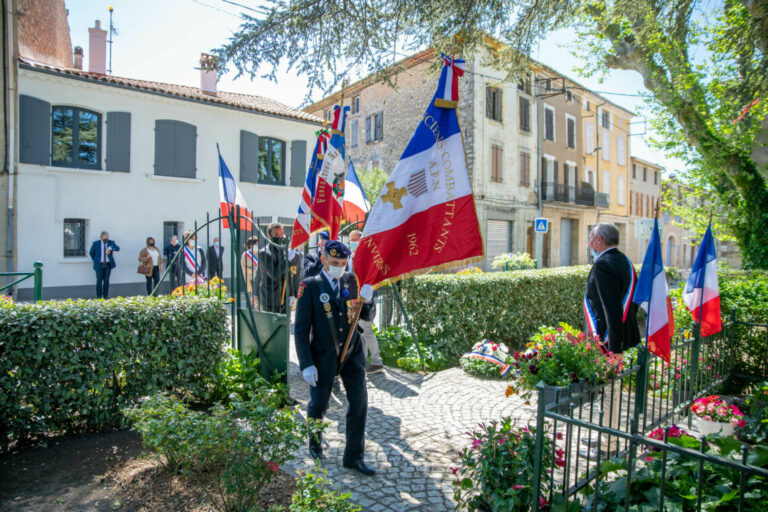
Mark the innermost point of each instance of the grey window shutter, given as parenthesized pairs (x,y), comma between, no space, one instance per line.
(379,135)
(367,129)
(249,157)
(489,102)
(185,149)
(119,141)
(554,174)
(35,128)
(497,105)
(298,162)
(165,133)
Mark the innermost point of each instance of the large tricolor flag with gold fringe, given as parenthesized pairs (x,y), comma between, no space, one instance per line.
(302,225)
(328,203)
(425,215)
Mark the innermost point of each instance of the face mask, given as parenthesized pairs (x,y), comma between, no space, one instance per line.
(216,244)
(594,254)
(335,272)
(191,245)
(151,244)
(353,246)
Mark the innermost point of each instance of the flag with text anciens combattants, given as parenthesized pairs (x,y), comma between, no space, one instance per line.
(425,214)
(328,203)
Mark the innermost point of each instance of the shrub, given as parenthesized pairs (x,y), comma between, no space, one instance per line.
(756,428)
(514,261)
(469,270)
(313,493)
(451,311)
(241,375)
(244,442)
(69,366)
(396,348)
(496,471)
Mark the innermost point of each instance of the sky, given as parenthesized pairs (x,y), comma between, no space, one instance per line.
(161,40)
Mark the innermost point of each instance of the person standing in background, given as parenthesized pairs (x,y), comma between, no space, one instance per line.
(152,264)
(312,262)
(215,259)
(194,258)
(370,342)
(272,283)
(294,274)
(170,252)
(249,263)
(103,263)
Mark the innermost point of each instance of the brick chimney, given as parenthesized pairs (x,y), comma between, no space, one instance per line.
(78,60)
(208,73)
(97,49)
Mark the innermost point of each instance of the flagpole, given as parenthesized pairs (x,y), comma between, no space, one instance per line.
(640,398)
(697,335)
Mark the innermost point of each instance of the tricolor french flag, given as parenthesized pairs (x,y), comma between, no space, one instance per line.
(302,226)
(232,201)
(652,294)
(425,215)
(356,204)
(702,293)
(328,204)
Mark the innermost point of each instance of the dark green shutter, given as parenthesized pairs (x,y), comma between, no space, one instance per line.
(249,157)
(35,128)
(298,162)
(185,150)
(165,133)
(119,141)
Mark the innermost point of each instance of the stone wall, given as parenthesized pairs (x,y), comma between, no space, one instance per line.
(44,32)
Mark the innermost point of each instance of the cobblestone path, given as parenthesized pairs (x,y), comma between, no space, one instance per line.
(416,424)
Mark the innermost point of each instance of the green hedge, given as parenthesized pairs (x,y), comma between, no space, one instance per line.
(68,366)
(458,311)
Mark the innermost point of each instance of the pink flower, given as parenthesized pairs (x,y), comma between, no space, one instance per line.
(711,407)
(476,443)
(560,462)
(518,486)
(742,423)
(559,435)
(735,422)
(272,466)
(543,502)
(589,346)
(707,417)
(454,470)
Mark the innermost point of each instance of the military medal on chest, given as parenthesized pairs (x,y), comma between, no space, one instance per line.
(325,298)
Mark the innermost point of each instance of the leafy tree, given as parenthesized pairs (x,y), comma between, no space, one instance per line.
(703,62)
(372,181)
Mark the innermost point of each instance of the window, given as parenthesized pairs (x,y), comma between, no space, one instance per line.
(549,123)
(74,237)
(548,85)
(171,228)
(355,105)
(586,105)
(606,120)
(591,177)
(76,138)
(525,169)
(374,127)
(655,177)
(570,131)
(524,86)
(634,171)
(493,103)
(353,133)
(271,160)
(525,114)
(497,156)
(589,138)
(329,115)
(606,182)
(605,144)
(645,174)
(621,197)
(569,96)
(621,150)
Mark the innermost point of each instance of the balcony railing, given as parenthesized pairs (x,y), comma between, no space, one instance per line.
(585,196)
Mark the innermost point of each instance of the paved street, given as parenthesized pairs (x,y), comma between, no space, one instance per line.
(416,424)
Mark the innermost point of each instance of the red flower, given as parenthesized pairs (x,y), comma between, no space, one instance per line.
(454,470)
(272,466)
(560,462)
(559,435)
(543,502)
(518,486)
(476,443)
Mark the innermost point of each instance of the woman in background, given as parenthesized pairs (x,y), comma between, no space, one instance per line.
(151,263)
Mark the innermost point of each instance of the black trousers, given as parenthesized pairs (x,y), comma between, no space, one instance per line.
(176,278)
(153,279)
(357,395)
(102,281)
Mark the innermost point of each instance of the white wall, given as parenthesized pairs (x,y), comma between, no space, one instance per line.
(132,206)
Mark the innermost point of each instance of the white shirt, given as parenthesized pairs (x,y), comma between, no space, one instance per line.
(333,282)
(155,254)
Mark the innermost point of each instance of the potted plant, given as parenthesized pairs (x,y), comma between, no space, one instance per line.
(561,357)
(712,415)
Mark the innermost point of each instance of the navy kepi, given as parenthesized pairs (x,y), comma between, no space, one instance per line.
(337,249)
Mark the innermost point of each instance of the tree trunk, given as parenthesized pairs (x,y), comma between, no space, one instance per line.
(753,216)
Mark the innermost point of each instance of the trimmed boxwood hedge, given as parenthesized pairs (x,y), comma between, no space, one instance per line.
(68,366)
(457,311)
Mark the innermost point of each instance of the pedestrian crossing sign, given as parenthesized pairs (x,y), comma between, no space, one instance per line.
(542,225)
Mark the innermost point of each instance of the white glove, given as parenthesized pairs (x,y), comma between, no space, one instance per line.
(310,375)
(291,302)
(366,292)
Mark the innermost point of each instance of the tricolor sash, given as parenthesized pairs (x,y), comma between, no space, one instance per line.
(252,257)
(630,292)
(190,258)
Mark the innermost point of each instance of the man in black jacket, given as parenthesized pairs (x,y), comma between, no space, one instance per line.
(215,259)
(324,315)
(175,273)
(608,307)
(313,262)
(272,284)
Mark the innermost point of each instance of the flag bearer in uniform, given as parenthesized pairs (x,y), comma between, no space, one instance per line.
(324,315)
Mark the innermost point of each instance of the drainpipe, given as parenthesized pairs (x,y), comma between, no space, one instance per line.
(539,236)
(8,162)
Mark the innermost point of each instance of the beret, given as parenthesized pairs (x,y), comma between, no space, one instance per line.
(337,249)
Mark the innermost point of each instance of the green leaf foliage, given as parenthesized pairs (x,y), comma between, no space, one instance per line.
(456,311)
(72,366)
(314,492)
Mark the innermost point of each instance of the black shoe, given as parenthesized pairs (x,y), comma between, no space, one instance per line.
(316,453)
(360,466)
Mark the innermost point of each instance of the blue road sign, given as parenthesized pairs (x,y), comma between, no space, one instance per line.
(541,225)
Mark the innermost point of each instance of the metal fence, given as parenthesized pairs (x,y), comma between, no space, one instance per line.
(36,275)
(589,423)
